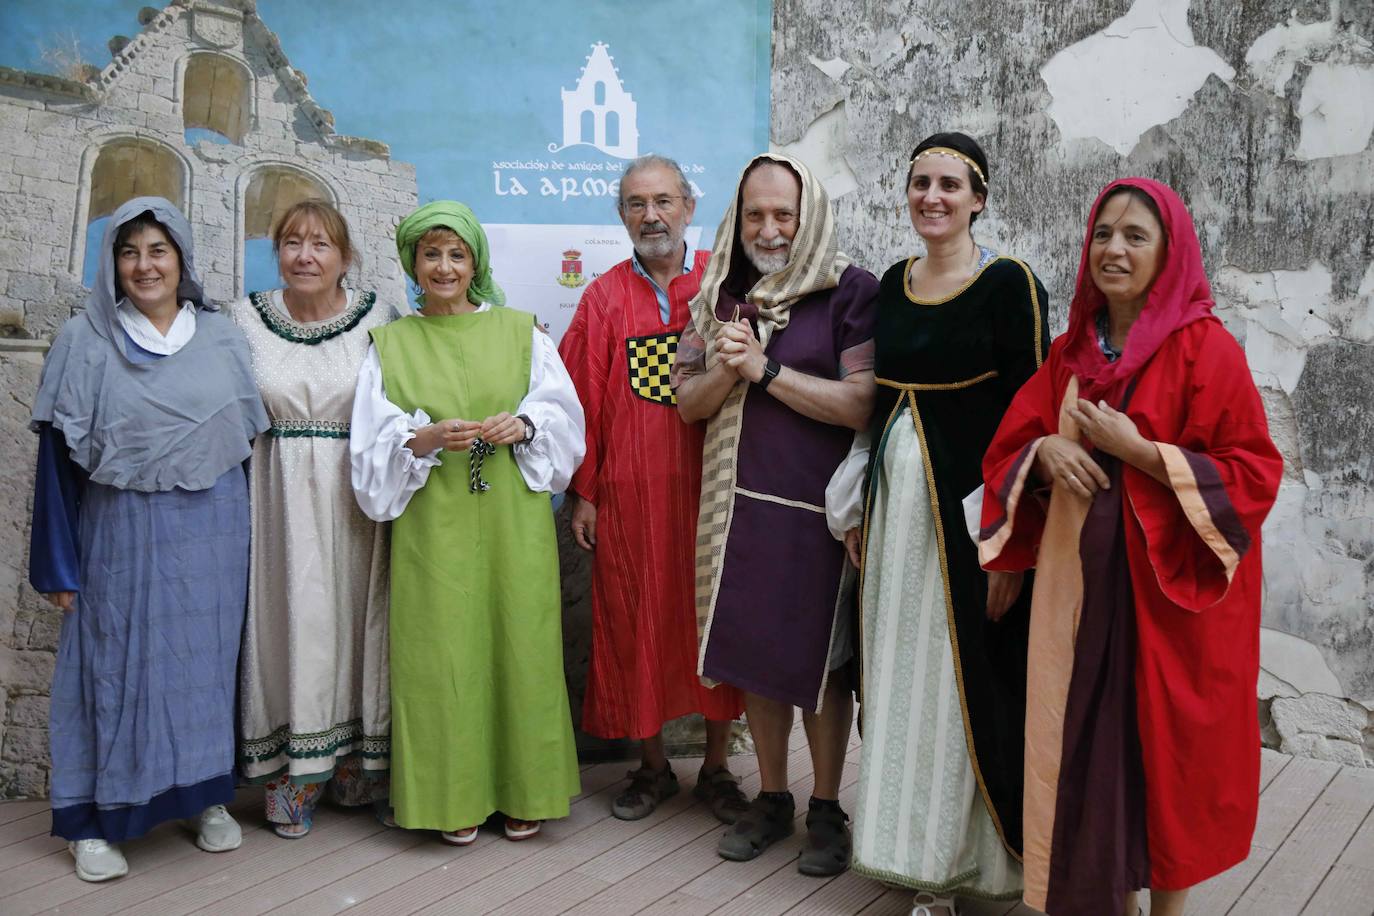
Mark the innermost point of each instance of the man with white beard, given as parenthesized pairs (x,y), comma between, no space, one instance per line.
(779,362)
(635,497)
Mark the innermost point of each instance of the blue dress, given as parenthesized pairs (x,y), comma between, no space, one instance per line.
(142,712)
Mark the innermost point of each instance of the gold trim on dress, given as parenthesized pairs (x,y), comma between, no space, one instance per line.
(1035,308)
(936,386)
(953,631)
(906,286)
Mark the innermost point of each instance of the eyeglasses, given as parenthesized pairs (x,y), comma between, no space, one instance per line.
(664,203)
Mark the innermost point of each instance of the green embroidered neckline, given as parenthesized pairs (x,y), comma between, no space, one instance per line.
(287,329)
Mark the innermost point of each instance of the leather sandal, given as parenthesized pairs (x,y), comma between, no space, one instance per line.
(767,821)
(463,836)
(720,791)
(646,789)
(828,842)
(517,829)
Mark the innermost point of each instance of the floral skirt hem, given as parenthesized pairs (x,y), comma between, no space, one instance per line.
(350,784)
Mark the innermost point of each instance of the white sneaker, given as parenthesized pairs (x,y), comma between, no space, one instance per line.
(215,830)
(925,901)
(97,860)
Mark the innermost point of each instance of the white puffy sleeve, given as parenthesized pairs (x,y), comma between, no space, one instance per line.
(844,495)
(385,473)
(547,461)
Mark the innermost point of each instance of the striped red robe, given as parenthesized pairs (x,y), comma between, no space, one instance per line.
(1142,740)
(643,473)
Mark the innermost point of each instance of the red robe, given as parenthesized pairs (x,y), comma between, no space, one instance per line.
(1165,583)
(643,473)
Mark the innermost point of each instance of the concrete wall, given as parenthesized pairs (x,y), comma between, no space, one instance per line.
(1260,114)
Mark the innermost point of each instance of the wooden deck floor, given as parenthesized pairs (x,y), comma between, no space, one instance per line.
(1313,854)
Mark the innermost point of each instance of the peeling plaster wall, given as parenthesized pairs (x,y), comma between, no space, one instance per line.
(1260,113)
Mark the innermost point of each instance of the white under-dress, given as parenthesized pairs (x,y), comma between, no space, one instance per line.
(919,818)
(386,474)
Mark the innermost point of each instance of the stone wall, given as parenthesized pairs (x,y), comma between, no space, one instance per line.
(1258,112)
(52,181)
(28,625)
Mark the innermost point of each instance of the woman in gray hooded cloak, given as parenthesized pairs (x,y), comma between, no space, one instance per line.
(145,412)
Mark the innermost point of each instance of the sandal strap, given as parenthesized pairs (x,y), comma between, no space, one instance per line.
(764,818)
(826,824)
(643,779)
(724,788)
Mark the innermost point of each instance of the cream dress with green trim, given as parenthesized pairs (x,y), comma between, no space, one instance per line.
(313,678)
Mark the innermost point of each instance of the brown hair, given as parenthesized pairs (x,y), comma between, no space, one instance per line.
(1141,195)
(329,218)
(436,235)
(960,143)
(144,220)
(128,230)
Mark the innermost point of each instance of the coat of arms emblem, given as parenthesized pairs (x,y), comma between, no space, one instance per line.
(571,275)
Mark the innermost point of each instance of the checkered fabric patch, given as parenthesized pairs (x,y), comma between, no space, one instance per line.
(649,360)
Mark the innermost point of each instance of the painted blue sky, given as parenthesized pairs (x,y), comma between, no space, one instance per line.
(454,88)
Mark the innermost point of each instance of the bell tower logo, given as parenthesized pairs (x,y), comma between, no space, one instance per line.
(598,111)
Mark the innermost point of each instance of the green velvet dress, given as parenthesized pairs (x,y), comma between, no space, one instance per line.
(479,706)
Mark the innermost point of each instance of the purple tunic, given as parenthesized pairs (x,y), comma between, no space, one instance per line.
(781,585)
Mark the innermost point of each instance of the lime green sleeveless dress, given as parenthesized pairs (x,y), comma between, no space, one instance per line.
(479,706)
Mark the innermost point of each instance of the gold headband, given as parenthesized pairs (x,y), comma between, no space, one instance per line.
(953,154)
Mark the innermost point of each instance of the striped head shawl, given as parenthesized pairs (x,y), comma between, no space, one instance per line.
(816,265)
(816,262)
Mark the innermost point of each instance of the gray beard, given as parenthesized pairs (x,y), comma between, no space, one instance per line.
(768,262)
(660,247)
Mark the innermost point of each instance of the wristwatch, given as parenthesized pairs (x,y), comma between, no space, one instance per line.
(770,372)
(529,428)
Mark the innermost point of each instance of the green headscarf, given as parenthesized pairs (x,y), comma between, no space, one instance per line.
(459,217)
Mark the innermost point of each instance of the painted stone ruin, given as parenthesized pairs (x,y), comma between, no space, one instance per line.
(201,107)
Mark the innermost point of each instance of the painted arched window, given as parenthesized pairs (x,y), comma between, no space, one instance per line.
(588,125)
(215,99)
(612,128)
(599,93)
(124,169)
(270,193)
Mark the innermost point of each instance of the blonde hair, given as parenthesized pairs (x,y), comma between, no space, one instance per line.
(329,218)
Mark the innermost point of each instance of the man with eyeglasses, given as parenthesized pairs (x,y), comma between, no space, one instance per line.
(635,498)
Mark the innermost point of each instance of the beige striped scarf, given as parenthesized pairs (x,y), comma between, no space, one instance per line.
(815,265)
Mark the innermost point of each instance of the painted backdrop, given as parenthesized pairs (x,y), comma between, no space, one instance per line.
(524,110)
(233,109)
